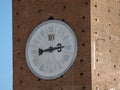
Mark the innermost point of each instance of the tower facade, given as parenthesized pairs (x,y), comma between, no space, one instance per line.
(96,24)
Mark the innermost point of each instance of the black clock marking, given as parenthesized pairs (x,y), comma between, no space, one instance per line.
(59,47)
(51,37)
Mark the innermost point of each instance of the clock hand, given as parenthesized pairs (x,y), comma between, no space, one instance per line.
(51,49)
(40,51)
(58,48)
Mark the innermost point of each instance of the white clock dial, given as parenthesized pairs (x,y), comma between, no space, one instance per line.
(51,49)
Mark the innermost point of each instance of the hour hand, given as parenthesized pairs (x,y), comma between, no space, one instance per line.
(40,51)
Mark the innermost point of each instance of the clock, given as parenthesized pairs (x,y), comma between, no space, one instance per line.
(51,49)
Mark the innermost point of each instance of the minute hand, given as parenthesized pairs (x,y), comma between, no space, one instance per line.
(51,49)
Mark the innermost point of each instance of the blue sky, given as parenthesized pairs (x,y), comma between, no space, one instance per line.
(6,45)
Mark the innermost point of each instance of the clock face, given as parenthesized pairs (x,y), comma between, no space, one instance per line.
(51,49)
